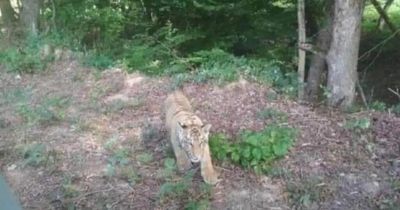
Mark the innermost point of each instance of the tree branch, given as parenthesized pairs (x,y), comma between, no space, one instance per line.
(385,17)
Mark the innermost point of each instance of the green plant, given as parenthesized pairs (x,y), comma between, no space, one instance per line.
(34,154)
(272,73)
(120,157)
(119,105)
(188,194)
(179,79)
(200,202)
(358,124)
(378,106)
(99,61)
(353,109)
(271,113)
(68,188)
(145,158)
(306,191)
(396,109)
(50,109)
(175,189)
(220,147)
(16,97)
(216,65)
(255,150)
(25,58)
(169,169)
(129,174)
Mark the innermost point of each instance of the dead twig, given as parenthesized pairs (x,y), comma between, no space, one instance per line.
(379,44)
(121,199)
(80,198)
(360,89)
(395,92)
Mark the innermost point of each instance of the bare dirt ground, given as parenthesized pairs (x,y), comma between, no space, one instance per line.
(73,138)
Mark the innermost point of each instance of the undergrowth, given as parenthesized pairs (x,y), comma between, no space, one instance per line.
(50,110)
(25,56)
(305,192)
(182,190)
(254,150)
(164,52)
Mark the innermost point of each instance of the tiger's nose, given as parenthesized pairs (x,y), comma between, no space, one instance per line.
(195,159)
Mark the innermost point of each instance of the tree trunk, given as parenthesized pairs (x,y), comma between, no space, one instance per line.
(302,53)
(343,53)
(318,66)
(381,21)
(318,61)
(30,16)
(8,15)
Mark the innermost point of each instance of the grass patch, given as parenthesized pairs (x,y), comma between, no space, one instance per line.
(306,192)
(49,110)
(145,158)
(360,124)
(273,114)
(129,174)
(46,111)
(98,61)
(378,106)
(396,109)
(26,56)
(119,105)
(36,155)
(219,67)
(182,191)
(119,158)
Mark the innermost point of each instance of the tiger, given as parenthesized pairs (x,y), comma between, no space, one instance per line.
(188,136)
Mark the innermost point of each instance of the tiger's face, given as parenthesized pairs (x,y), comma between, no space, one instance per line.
(193,139)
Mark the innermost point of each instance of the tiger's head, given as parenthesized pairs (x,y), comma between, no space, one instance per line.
(193,138)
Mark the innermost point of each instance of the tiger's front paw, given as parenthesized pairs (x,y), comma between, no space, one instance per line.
(211,178)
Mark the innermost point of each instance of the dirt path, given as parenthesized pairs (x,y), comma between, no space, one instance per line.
(72,138)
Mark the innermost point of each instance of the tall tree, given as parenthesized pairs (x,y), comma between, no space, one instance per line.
(342,56)
(30,16)
(318,66)
(8,14)
(302,53)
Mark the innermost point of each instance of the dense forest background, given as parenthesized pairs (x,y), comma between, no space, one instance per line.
(208,40)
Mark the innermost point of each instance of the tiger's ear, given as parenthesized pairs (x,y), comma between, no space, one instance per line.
(206,128)
(182,125)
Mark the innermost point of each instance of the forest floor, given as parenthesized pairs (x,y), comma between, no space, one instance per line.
(75,138)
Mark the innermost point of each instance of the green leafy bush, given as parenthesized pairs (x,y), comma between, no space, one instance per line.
(99,61)
(119,158)
(216,65)
(378,106)
(396,109)
(34,154)
(271,113)
(358,124)
(49,110)
(144,58)
(189,194)
(255,150)
(25,57)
